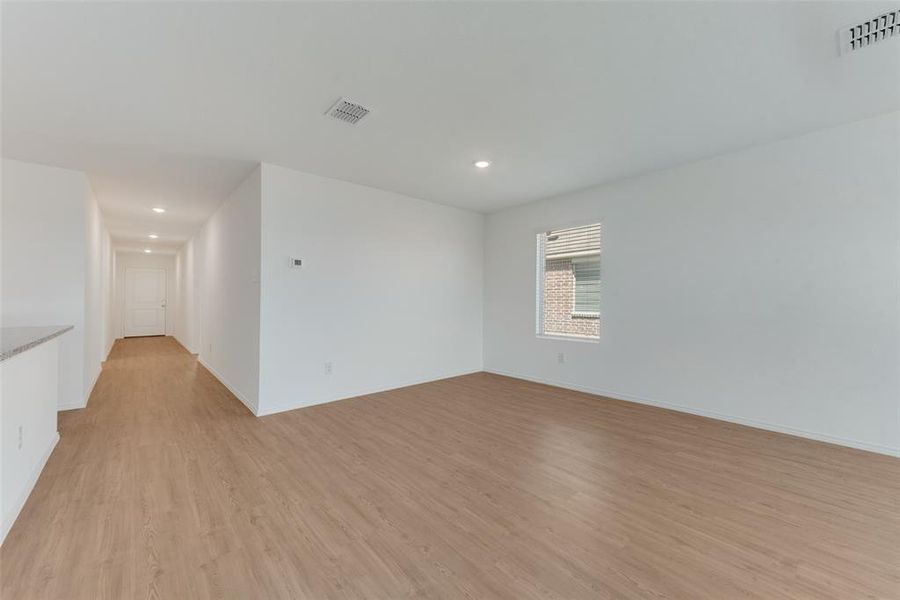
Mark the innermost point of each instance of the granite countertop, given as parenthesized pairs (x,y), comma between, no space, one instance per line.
(15,340)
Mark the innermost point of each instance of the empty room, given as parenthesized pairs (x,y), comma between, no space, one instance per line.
(484,300)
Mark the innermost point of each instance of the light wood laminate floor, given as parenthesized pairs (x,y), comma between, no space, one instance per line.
(481,486)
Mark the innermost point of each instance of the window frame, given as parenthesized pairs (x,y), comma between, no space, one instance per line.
(538,291)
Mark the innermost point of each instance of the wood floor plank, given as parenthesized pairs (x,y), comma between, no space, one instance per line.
(481,486)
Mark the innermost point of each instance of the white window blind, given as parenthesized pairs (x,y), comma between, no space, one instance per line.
(587,285)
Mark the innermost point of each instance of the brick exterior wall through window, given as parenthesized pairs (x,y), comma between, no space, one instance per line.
(559,299)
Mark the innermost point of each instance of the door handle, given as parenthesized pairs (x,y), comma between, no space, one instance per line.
(163,305)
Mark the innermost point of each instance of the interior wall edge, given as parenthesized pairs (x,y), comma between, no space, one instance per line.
(90,390)
(237,394)
(297,405)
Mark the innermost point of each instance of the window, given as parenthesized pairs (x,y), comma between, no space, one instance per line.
(568,282)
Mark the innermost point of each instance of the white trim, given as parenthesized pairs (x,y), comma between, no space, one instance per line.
(183,345)
(560,337)
(14,511)
(299,404)
(812,435)
(230,387)
(540,265)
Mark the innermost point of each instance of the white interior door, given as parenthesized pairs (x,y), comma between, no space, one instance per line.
(145,302)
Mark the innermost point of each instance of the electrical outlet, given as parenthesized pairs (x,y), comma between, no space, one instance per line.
(561,358)
(328,368)
(20,437)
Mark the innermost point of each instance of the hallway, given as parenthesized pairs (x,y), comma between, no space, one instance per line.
(158,435)
(481,486)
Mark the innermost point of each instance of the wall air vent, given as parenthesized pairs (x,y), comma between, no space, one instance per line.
(349,112)
(871,31)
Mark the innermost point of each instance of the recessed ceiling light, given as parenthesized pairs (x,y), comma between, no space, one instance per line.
(482,164)
(152,236)
(147,250)
(159,210)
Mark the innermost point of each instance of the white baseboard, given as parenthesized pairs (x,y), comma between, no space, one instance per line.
(230,387)
(299,404)
(10,517)
(812,435)
(183,345)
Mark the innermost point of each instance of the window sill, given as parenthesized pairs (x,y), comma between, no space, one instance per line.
(584,339)
(585,315)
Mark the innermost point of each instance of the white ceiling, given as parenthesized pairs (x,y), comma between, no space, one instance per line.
(173,103)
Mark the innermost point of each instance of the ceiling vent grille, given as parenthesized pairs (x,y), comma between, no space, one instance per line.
(349,112)
(867,33)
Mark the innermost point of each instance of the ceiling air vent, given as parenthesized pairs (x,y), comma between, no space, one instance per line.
(867,33)
(347,111)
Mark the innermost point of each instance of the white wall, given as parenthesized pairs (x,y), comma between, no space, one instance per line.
(29,384)
(108,262)
(129,259)
(97,291)
(759,287)
(187,286)
(183,298)
(390,291)
(218,299)
(44,238)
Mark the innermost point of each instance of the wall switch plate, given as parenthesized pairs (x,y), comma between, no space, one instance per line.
(561,358)
(328,368)
(296,263)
